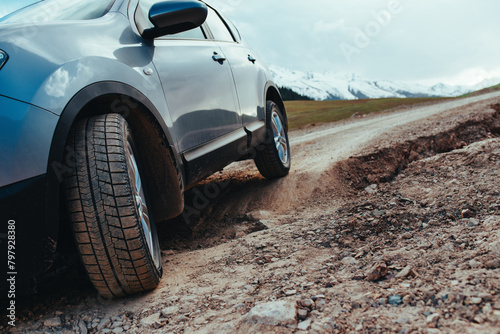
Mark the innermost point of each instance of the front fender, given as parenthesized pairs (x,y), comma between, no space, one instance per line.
(58,166)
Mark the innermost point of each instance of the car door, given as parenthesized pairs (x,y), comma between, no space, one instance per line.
(198,87)
(247,69)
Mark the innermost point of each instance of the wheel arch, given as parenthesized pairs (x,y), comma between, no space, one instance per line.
(273,94)
(163,170)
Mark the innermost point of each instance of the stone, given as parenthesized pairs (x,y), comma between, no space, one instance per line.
(318,297)
(406,236)
(349,260)
(278,313)
(432,320)
(395,300)
(82,327)
(492,264)
(407,300)
(473,222)
(103,324)
(168,311)
(302,313)
(371,189)
(307,303)
(475,300)
(320,305)
(474,264)
(467,213)
(382,301)
(304,325)
(495,248)
(377,271)
(487,309)
(151,320)
(117,324)
(52,322)
(407,271)
(290,292)
(117,330)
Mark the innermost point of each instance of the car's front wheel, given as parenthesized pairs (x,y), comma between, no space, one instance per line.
(273,156)
(114,231)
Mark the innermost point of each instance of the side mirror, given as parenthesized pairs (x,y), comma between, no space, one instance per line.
(172,17)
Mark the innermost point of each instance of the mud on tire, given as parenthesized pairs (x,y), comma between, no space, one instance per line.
(115,236)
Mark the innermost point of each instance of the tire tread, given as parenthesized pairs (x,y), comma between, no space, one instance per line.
(105,218)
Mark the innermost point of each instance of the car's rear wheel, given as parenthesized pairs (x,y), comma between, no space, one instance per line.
(273,156)
(114,232)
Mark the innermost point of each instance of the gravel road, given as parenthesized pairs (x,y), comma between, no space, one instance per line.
(386,224)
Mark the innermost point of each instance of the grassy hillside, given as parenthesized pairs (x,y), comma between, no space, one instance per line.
(483,91)
(301,113)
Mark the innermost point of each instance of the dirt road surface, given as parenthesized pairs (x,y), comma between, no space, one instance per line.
(386,224)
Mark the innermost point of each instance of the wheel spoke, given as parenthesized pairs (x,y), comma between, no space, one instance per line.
(279,135)
(281,153)
(140,201)
(275,127)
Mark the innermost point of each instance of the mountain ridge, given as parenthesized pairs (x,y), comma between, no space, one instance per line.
(334,86)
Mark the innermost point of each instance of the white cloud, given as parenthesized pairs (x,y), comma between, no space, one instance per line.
(426,39)
(469,77)
(328,27)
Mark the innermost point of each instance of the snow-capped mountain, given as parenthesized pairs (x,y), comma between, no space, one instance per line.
(334,86)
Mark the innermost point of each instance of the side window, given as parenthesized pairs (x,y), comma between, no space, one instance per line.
(234,30)
(190,34)
(218,27)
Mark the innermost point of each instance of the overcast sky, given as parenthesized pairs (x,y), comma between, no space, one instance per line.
(427,41)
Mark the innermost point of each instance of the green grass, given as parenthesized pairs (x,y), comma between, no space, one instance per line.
(301,113)
(483,91)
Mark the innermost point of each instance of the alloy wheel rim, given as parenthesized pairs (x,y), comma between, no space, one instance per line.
(141,204)
(280,137)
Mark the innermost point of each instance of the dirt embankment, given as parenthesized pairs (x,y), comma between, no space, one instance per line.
(383,226)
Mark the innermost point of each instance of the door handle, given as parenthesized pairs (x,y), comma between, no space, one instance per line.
(252,59)
(218,58)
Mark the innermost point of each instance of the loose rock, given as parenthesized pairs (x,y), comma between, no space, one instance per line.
(52,322)
(377,271)
(279,313)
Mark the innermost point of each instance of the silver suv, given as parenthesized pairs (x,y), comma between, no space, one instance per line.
(109,110)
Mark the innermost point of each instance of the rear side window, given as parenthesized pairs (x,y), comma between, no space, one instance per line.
(218,27)
(57,10)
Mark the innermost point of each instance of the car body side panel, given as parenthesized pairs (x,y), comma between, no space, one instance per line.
(55,77)
(25,139)
(249,78)
(199,91)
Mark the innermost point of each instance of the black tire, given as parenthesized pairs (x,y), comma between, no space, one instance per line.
(273,157)
(107,205)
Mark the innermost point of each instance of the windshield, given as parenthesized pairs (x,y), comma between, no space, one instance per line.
(59,10)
